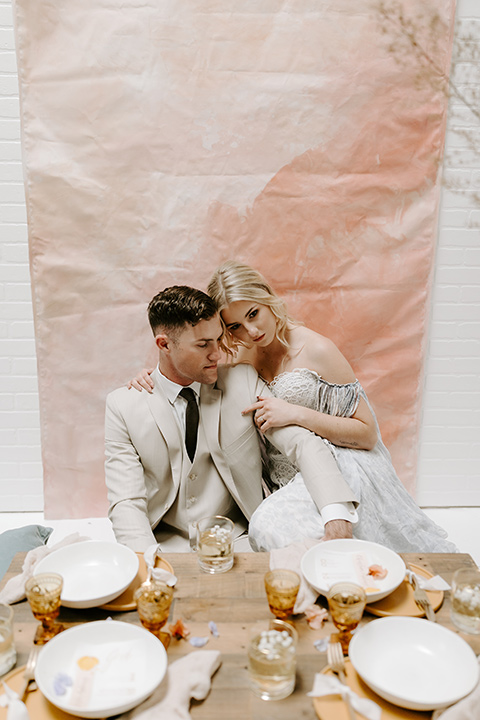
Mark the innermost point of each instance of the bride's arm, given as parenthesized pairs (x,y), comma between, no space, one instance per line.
(358,432)
(142,380)
(321,355)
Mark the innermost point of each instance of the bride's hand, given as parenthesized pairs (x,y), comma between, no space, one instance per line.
(272,412)
(142,380)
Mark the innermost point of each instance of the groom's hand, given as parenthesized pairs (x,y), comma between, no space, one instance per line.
(336,529)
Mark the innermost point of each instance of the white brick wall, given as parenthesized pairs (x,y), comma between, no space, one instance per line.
(450,439)
(20,456)
(449,463)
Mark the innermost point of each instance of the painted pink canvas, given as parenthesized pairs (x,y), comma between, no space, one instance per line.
(160,139)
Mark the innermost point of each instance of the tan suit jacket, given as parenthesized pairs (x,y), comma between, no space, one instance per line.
(145,450)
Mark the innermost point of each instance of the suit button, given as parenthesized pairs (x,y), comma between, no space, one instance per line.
(192,476)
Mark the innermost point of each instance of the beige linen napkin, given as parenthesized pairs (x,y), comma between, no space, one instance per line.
(289,558)
(324,685)
(466,709)
(17,710)
(150,556)
(14,590)
(187,678)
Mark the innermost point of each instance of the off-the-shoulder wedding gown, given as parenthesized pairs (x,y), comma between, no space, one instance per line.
(387,513)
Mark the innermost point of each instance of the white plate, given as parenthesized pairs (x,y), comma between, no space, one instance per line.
(131,664)
(414,663)
(94,573)
(328,562)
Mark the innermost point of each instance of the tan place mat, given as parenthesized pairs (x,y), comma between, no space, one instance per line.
(332,707)
(402,602)
(125,601)
(37,705)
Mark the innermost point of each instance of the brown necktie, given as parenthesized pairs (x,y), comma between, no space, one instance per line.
(191,421)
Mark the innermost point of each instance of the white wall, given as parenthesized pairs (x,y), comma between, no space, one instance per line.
(449,462)
(450,439)
(20,457)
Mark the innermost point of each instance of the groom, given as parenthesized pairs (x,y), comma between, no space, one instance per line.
(165,471)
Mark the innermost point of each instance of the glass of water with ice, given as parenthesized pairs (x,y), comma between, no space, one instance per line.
(215,544)
(272,661)
(465,610)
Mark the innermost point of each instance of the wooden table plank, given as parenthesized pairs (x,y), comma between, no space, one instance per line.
(236,601)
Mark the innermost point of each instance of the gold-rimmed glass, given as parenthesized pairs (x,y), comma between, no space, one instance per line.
(43,593)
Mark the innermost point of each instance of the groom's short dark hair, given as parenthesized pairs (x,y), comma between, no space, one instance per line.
(179,305)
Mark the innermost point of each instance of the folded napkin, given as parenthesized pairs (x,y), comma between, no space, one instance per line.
(329,685)
(434,583)
(14,590)
(466,709)
(17,710)
(150,555)
(187,678)
(289,558)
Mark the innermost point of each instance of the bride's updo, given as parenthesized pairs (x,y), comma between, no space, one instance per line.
(233,282)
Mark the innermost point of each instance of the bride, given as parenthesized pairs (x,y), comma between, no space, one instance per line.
(314,387)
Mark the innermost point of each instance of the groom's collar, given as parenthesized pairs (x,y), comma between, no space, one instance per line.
(171,389)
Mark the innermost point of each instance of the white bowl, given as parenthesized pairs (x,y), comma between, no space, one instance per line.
(131,664)
(414,663)
(326,563)
(94,573)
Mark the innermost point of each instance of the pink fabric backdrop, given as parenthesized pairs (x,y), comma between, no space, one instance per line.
(160,139)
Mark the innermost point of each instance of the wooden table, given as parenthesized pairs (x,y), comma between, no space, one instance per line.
(236,601)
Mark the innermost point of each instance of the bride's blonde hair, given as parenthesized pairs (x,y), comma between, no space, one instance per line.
(233,282)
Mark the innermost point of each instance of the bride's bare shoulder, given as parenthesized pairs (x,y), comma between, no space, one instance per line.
(319,353)
(303,337)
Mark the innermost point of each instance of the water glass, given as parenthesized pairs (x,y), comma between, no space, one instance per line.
(272,661)
(153,600)
(282,588)
(346,602)
(8,653)
(43,592)
(465,610)
(215,544)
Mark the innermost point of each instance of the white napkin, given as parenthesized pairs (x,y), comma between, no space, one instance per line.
(466,709)
(330,685)
(289,558)
(17,710)
(434,583)
(189,677)
(160,574)
(14,590)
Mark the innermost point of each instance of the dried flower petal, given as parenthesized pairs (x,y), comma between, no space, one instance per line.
(321,645)
(198,641)
(377,571)
(316,616)
(179,630)
(213,628)
(61,682)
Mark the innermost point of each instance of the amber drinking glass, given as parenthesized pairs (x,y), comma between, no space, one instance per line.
(43,592)
(282,588)
(346,602)
(153,606)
